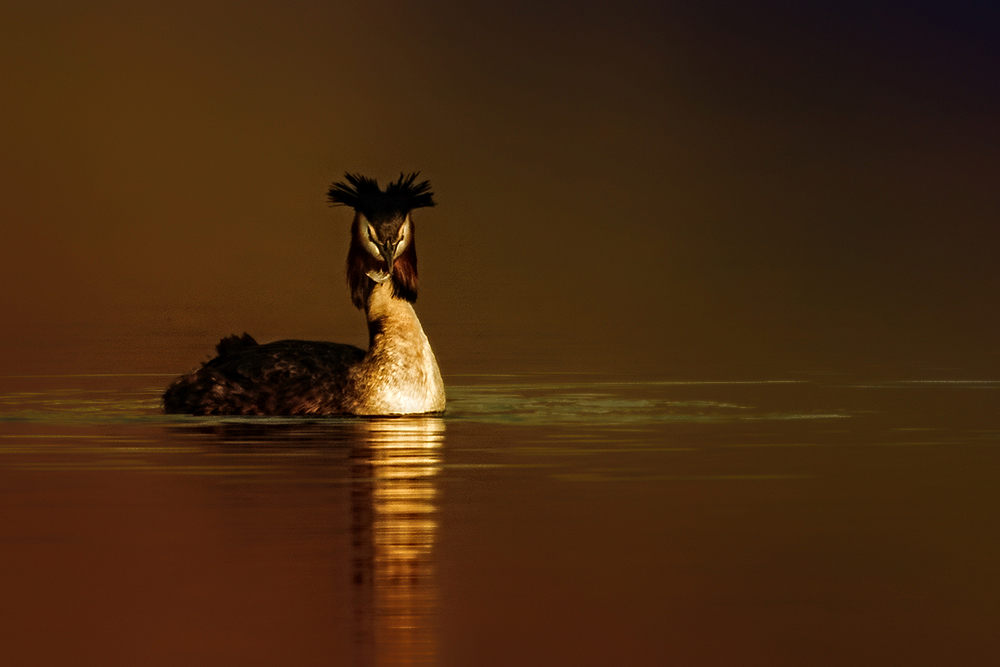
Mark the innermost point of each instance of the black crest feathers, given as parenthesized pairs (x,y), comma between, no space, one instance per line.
(364,195)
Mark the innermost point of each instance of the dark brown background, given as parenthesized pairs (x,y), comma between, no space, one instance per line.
(681,189)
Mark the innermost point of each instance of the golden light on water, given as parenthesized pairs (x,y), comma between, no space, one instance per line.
(708,524)
(394,527)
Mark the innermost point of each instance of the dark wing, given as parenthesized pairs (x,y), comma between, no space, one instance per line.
(288,377)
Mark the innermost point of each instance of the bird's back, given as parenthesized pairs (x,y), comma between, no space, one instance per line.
(287,377)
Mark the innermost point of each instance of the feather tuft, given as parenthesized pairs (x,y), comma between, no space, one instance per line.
(364,195)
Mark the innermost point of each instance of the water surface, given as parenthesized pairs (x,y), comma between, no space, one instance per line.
(544,519)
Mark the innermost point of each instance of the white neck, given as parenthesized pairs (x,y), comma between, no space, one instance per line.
(399,374)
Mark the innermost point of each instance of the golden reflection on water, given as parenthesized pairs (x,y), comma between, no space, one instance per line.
(726,524)
(394,472)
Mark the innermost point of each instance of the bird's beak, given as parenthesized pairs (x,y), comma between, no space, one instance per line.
(387,256)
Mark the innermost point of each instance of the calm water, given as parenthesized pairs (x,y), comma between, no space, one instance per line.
(544,520)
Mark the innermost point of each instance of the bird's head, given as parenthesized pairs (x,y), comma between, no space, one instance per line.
(383,246)
(385,240)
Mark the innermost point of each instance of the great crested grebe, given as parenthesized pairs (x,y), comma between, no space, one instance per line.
(398,374)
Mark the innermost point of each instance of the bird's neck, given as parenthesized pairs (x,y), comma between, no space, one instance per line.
(399,373)
(382,309)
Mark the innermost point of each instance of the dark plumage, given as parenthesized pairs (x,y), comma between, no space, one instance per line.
(287,377)
(397,375)
(364,196)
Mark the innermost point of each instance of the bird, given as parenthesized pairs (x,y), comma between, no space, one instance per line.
(397,375)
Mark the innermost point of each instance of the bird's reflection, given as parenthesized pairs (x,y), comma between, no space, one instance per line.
(394,468)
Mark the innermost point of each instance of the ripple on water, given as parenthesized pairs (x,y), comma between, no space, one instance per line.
(71,401)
